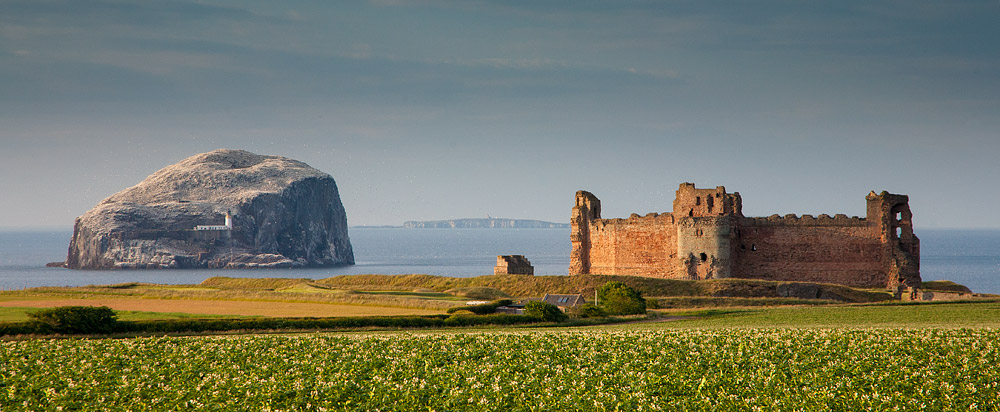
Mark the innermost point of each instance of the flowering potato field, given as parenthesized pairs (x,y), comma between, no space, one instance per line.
(746,369)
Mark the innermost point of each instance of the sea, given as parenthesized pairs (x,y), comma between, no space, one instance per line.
(968,257)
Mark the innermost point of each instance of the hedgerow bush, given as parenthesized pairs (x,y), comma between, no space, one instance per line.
(18,328)
(588,310)
(75,319)
(251,324)
(545,311)
(495,319)
(482,309)
(618,298)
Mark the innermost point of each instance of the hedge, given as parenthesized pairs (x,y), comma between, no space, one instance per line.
(248,324)
(482,308)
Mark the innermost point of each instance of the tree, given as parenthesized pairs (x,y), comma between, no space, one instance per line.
(618,298)
(75,319)
(545,311)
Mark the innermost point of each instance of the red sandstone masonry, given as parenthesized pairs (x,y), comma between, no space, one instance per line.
(849,255)
(637,246)
(707,236)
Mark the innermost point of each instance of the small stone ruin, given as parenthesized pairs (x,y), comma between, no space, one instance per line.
(513,265)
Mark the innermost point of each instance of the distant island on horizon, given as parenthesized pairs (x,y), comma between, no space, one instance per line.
(478,223)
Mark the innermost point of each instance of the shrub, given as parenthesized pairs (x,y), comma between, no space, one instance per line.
(75,319)
(544,311)
(17,328)
(588,310)
(460,311)
(483,309)
(459,319)
(618,298)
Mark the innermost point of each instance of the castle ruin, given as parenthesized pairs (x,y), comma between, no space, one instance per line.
(513,265)
(707,237)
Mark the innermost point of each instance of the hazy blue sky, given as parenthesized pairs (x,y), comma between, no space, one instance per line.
(441,109)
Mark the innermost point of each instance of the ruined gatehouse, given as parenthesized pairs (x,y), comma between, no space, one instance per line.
(706,237)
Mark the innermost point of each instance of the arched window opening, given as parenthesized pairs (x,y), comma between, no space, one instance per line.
(704,257)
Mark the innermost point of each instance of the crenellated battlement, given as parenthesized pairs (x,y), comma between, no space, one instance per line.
(805,220)
(649,218)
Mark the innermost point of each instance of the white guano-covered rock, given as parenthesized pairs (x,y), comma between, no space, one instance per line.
(283,214)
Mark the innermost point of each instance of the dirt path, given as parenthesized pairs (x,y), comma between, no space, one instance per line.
(224,307)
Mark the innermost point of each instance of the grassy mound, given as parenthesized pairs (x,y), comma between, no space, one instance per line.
(945,286)
(223,282)
(524,286)
(749,288)
(477,292)
(674,302)
(514,285)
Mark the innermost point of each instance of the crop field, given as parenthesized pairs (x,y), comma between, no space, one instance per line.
(726,369)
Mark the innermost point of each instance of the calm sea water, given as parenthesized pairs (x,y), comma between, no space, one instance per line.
(969,257)
(446,252)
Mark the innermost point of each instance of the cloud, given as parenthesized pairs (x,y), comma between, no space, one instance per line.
(104,14)
(134,54)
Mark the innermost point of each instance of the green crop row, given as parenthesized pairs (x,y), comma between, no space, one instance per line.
(711,370)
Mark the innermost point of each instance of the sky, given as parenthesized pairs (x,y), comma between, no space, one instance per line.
(435,109)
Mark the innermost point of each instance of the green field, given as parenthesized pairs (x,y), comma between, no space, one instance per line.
(747,353)
(358,295)
(728,369)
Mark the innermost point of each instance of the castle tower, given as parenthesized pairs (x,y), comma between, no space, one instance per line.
(692,202)
(586,210)
(705,246)
(705,225)
(890,213)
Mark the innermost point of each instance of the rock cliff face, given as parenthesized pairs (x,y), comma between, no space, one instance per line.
(283,214)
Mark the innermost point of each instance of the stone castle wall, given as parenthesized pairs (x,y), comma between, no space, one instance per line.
(848,255)
(707,237)
(641,246)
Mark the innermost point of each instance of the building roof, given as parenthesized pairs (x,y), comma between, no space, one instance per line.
(564,300)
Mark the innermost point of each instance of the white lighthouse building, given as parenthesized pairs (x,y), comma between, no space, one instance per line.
(227,226)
